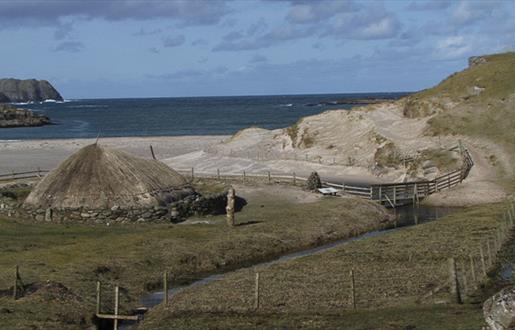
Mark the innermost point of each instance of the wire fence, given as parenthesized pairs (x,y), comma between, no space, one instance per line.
(409,278)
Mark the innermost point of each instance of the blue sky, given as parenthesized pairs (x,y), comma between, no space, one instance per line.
(133,48)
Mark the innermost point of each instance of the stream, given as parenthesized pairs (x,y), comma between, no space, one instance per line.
(406,216)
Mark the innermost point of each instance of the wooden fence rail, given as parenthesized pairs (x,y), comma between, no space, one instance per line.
(391,194)
(22,175)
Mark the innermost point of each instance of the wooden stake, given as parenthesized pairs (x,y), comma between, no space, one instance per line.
(256,293)
(165,288)
(464,281)
(472,269)
(453,280)
(294,179)
(16,277)
(116,306)
(269,177)
(489,252)
(99,297)
(244,175)
(152,152)
(218,173)
(353,289)
(483,264)
(192,173)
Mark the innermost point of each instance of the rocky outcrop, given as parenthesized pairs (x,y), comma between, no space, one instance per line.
(499,310)
(30,90)
(13,117)
(476,60)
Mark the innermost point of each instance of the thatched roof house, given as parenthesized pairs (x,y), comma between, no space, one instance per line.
(99,178)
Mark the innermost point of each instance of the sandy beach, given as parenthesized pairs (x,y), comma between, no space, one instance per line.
(26,155)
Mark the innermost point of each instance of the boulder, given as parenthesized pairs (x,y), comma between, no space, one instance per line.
(499,310)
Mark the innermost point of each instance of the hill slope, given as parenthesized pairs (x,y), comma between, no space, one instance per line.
(473,105)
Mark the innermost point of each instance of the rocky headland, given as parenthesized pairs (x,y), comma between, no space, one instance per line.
(30,90)
(13,117)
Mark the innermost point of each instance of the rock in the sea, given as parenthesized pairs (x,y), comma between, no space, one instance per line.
(30,90)
(13,117)
(499,310)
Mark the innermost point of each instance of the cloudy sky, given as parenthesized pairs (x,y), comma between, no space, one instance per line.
(138,48)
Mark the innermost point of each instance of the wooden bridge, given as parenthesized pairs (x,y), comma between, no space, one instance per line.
(397,194)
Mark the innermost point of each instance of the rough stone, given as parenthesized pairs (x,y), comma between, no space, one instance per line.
(48,215)
(499,310)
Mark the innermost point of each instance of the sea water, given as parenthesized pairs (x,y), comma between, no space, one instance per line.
(177,116)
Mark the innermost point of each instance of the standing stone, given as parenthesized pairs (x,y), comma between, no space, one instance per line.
(48,215)
(231,194)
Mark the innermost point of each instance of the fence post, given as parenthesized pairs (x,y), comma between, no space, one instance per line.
(489,252)
(244,176)
(269,177)
(464,280)
(472,269)
(218,173)
(165,288)
(294,179)
(192,173)
(394,195)
(99,297)
(116,306)
(483,265)
(256,292)
(455,285)
(16,277)
(352,289)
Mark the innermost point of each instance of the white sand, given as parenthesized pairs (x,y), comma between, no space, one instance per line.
(22,155)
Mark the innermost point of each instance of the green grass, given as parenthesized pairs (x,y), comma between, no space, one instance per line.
(411,317)
(393,272)
(134,256)
(495,76)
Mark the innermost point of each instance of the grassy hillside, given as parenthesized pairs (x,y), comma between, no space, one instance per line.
(482,100)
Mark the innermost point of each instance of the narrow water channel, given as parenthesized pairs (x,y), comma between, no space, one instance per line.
(406,216)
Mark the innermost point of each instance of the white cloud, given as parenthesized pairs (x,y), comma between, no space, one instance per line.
(452,48)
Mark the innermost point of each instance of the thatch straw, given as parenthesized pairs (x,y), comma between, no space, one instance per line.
(98,178)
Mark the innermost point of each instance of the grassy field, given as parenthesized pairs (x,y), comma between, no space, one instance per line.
(74,257)
(415,317)
(393,274)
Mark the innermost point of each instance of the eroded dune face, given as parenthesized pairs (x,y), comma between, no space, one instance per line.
(376,138)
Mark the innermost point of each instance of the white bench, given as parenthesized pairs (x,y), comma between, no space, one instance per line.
(328,191)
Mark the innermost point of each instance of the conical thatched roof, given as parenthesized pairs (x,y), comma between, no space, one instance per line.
(96,178)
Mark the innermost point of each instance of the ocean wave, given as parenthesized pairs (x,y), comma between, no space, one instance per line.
(21,103)
(88,106)
(286,105)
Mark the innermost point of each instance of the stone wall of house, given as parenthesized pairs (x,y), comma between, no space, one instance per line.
(174,212)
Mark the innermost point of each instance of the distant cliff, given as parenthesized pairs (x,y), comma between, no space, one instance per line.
(13,117)
(30,90)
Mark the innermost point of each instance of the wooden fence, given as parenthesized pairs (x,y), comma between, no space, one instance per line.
(390,194)
(23,175)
